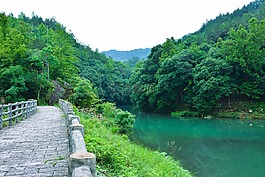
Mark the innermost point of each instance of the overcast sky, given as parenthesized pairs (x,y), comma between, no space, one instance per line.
(125,24)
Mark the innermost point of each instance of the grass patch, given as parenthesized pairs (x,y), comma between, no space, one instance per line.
(184,114)
(117,156)
(4,124)
(54,160)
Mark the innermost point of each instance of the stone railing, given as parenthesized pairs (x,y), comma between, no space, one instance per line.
(13,111)
(81,162)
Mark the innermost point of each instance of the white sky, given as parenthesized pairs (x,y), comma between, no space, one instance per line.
(125,24)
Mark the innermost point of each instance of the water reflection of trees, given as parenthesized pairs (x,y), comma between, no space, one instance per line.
(201,145)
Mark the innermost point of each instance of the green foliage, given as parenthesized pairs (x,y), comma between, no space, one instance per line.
(3,20)
(144,81)
(160,84)
(50,59)
(169,48)
(110,77)
(174,76)
(13,83)
(243,51)
(116,156)
(212,30)
(211,82)
(184,114)
(84,95)
(31,58)
(133,62)
(124,120)
(54,160)
(107,109)
(224,59)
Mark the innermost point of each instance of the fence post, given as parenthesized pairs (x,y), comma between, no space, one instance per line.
(1,117)
(83,159)
(26,109)
(10,114)
(22,110)
(16,111)
(81,162)
(29,108)
(13,112)
(35,106)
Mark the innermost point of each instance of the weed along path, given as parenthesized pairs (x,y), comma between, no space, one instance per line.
(37,146)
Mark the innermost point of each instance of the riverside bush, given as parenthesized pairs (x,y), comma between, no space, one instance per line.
(124,120)
(117,156)
(121,120)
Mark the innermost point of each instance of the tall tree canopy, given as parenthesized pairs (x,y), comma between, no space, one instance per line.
(203,70)
(39,59)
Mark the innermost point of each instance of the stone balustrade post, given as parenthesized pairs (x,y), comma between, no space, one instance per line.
(26,109)
(16,111)
(71,118)
(81,162)
(29,107)
(10,114)
(82,159)
(22,110)
(1,116)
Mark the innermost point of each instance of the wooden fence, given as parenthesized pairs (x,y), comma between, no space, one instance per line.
(12,112)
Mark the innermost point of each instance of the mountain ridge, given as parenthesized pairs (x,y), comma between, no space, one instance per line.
(117,55)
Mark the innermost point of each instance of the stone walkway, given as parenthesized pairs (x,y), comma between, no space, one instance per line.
(37,146)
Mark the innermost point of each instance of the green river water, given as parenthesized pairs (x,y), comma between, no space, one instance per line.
(207,148)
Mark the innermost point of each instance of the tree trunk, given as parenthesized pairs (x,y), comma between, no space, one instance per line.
(38,97)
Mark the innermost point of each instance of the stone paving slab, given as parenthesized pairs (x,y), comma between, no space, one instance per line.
(35,147)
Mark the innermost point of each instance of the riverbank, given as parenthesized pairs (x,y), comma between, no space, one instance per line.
(244,110)
(225,115)
(117,156)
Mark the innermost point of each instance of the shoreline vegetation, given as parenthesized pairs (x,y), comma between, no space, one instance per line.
(117,156)
(246,110)
(224,115)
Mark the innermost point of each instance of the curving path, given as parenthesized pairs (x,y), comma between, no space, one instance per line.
(37,146)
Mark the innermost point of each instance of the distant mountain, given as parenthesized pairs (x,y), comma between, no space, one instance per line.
(126,55)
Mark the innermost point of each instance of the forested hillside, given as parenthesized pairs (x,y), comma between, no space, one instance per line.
(212,69)
(127,55)
(39,59)
(216,68)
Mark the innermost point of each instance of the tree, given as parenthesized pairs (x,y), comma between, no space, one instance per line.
(211,83)
(3,25)
(63,69)
(169,48)
(12,83)
(174,76)
(144,81)
(243,50)
(84,95)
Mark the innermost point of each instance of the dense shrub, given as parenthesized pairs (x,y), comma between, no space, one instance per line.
(122,120)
